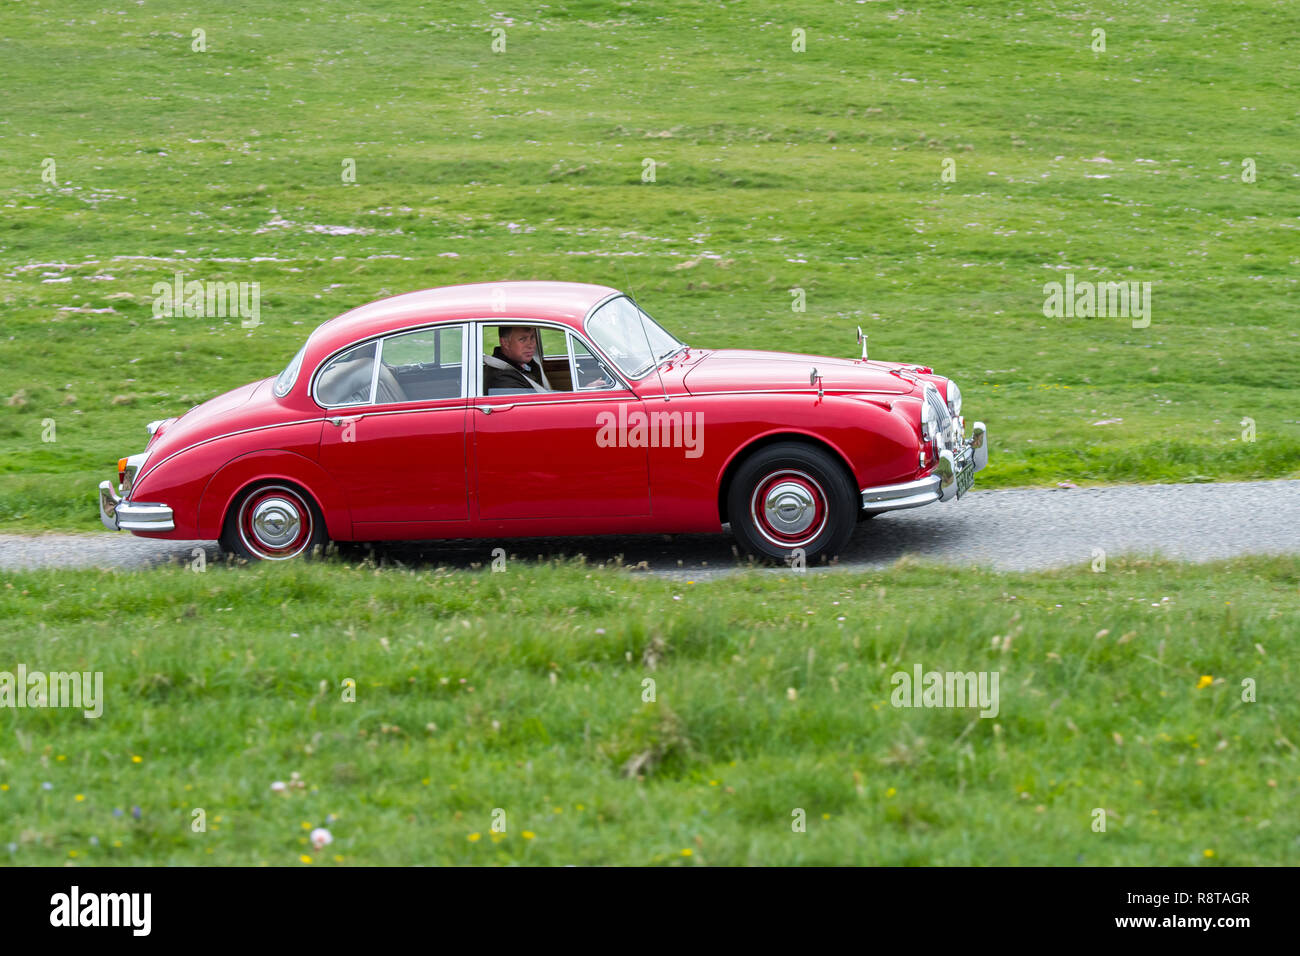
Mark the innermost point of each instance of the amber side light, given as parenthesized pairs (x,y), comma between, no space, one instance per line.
(121,470)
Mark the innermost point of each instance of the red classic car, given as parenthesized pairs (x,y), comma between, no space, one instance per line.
(520,409)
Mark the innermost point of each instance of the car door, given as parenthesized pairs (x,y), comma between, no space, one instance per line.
(558,453)
(396,442)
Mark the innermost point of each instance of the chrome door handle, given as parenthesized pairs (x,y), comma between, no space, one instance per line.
(489,409)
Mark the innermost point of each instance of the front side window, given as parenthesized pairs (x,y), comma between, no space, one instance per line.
(349,377)
(528,359)
(636,342)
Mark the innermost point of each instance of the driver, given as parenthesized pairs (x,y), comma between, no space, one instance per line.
(513,363)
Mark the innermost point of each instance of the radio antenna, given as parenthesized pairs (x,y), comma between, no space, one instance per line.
(644,333)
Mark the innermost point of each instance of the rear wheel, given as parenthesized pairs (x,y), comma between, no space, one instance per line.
(274,522)
(791,497)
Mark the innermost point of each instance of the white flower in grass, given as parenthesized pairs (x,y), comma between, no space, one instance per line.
(321,837)
(279,786)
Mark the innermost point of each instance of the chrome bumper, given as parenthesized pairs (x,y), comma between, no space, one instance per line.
(120,515)
(943,484)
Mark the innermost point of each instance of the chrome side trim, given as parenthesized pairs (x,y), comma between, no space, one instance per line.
(890,396)
(619,396)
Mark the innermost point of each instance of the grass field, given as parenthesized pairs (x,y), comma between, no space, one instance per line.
(523,692)
(820,170)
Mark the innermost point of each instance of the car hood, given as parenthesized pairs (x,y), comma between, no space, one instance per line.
(738,369)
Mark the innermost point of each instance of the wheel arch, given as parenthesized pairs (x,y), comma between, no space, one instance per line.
(760,442)
(238,476)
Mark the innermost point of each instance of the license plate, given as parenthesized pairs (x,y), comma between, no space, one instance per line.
(965,478)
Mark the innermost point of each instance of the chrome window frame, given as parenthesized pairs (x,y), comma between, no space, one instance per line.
(379,341)
(482,324)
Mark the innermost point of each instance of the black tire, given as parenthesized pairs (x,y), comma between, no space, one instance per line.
(793,478)
(287,514)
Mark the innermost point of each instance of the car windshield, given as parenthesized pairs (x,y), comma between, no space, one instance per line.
(636,342)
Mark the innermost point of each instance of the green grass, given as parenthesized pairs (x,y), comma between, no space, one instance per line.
(819,170)
(523,692)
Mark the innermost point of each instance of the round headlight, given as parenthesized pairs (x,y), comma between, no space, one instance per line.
(954,398)
(927,421)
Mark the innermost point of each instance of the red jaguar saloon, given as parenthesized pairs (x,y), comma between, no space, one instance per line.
(523,409)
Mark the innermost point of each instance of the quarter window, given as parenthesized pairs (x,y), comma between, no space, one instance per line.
(285,380)
(349,378)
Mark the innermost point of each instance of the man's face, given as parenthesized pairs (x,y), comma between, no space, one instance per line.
(519,345)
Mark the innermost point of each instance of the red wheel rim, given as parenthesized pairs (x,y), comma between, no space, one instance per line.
(789,508)
(275,523)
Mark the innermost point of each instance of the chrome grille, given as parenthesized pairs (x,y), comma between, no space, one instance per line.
(942,417)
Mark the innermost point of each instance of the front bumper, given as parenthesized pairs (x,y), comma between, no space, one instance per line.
(121,515)
(951,478)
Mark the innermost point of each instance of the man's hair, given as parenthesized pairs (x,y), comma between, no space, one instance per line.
(506,330)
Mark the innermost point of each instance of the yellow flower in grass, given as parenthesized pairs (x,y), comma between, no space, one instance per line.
(136,758)
(79,797)
(475,837)
(1205,681)
(688,852)
(305,858)
(529,834)
(1209,854)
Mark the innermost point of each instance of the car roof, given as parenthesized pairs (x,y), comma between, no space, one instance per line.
(567,302)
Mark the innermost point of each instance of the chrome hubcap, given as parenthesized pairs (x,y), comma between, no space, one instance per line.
(790,508)
(276,522)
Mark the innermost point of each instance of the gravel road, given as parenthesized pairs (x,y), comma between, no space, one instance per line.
(1012,529)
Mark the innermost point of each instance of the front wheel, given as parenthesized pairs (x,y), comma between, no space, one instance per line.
(792,501)
(274,523)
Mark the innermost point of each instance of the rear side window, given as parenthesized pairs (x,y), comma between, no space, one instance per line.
(349,378)
(423,365)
